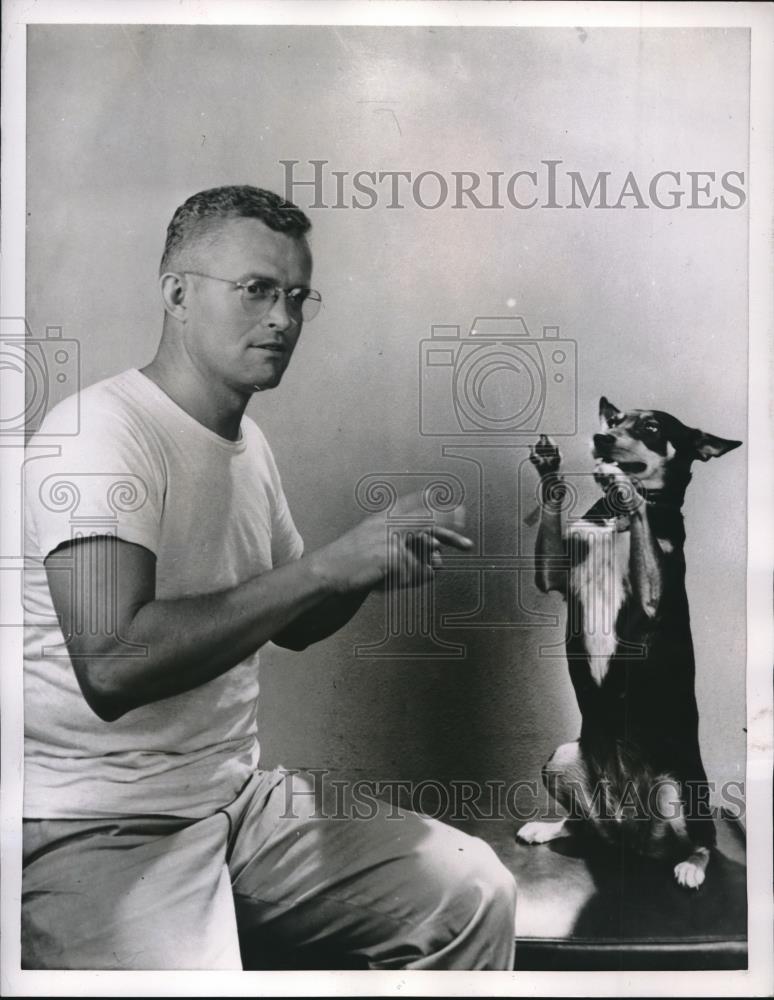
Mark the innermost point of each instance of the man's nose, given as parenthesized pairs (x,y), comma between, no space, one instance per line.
(278,315)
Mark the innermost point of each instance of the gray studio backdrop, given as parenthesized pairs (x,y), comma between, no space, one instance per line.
(125,122)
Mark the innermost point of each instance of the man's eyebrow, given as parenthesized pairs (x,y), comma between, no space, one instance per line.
(258,276)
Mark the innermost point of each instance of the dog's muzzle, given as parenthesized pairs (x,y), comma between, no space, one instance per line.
(602,445)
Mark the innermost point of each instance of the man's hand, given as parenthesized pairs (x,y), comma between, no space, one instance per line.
(545,456)
(392,551)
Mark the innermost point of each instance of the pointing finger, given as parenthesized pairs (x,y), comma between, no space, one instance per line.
(449,537)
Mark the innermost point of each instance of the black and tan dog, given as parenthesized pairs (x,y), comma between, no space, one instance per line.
(635,774)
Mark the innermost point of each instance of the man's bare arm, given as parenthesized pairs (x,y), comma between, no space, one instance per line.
(334,612)
(103,590)
(327,617)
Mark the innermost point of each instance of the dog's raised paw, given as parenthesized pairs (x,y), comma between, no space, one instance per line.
(541,832)
(689,874)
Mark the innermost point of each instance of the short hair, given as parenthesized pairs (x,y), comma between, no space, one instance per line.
(199,215)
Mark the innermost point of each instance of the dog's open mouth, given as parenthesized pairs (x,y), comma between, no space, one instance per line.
(632,468)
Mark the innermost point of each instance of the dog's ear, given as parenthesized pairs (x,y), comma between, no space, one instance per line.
(607,410)
(707,446)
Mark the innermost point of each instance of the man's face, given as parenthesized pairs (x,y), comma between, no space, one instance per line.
(243,350)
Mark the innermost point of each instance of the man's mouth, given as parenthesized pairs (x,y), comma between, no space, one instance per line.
(272,347)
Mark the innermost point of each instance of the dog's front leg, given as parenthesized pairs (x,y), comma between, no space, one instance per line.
(646,565)
(550,549)
(646,560)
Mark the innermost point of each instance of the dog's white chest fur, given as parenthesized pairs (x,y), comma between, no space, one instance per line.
(599,579)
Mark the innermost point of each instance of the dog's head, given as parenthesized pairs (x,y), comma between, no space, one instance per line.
(652,446)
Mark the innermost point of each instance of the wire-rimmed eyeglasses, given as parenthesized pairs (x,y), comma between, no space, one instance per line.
(258,295)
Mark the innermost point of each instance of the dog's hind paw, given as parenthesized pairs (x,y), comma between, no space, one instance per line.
(691,873)
(542,833)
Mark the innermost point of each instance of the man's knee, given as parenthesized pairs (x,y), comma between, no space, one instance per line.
(496,883)
(471,901)
(474,875)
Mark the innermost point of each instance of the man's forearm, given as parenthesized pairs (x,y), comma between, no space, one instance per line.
(321,621)
(189,641)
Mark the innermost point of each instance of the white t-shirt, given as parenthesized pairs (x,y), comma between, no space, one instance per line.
(214,514)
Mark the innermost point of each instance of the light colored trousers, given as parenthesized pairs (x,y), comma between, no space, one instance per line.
(399,890)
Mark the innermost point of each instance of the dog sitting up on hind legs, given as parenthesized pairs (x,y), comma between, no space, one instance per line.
(635,774)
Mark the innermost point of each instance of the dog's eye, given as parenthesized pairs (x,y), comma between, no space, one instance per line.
(651,427)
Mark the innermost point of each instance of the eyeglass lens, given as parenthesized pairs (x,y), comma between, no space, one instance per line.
(259,296)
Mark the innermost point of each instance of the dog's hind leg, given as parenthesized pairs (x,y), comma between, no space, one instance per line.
(544,831)
(670,809)
(691,872)
(565,776)
(699,828)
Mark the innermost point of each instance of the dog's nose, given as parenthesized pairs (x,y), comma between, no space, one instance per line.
(600,440)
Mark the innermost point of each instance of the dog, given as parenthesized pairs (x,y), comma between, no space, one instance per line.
(635,775)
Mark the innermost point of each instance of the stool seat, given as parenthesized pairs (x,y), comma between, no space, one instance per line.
(583,906)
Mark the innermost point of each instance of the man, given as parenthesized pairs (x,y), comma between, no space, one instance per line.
(167,557)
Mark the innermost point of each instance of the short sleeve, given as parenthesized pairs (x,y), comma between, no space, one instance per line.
(286,543)
(105,480)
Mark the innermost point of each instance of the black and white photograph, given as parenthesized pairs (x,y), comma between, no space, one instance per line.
(387,487)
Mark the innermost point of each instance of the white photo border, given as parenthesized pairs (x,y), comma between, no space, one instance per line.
(759,979)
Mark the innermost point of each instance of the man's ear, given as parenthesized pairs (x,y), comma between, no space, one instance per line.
(707,446)
(607,410)
(173,290)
